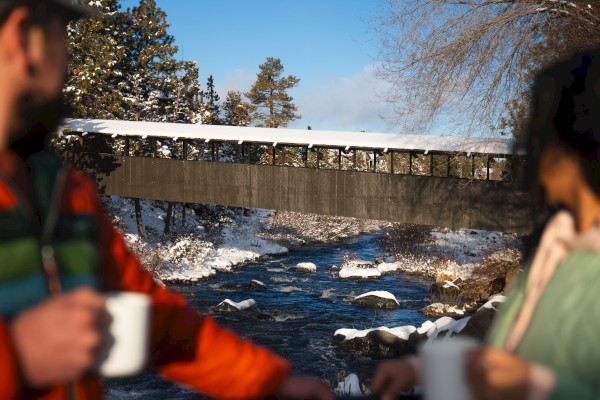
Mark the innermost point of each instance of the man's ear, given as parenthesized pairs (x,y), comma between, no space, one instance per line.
(15,37)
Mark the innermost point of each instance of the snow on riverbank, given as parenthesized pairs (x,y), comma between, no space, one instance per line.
(451,254)
(194,250)
(219,238)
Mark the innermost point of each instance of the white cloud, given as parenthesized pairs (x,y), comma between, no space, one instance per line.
(345,104)
(239,80)
(332,103)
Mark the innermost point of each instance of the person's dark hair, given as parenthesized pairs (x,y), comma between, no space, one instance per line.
(564,112)
(42,11)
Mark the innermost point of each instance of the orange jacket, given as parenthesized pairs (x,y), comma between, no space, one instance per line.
(186,347)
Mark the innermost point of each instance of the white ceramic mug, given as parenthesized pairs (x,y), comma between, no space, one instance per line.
(443,373)
(127,337)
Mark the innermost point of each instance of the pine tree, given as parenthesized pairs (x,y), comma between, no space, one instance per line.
(273,106)
(151,63)
(96,47)
(236,112)
(186,96)
(211,109)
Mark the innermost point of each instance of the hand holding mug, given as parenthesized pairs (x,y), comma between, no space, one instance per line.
(56,340)
(495,374)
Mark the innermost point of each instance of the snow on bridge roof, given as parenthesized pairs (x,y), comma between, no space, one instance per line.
(299,137)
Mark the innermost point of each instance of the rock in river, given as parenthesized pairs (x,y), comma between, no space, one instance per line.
(377,299)
(304,267)
(229,305)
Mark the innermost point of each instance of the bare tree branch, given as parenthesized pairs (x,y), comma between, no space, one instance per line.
(469,58)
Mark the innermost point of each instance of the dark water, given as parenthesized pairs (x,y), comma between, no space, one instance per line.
(307,310)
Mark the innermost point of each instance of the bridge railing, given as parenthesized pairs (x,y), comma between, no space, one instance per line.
(453,164)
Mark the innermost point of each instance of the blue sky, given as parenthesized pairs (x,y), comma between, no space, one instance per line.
(325,43)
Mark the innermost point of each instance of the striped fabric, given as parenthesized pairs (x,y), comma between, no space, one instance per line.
(73,236)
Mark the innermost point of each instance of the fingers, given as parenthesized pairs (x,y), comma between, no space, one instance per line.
(85,297)
(392,377)
(56,340)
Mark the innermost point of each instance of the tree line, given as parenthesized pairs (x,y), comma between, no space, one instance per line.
(125,66)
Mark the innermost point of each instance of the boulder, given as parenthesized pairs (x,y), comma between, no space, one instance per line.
(480,322)
(359,269)
(254,285)
(304,268)
(229,305)
(377,299)
(446,292)
(258,285)
(263,317)
(377,343)
(437,310)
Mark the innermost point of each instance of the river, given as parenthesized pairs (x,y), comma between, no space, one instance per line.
(306,309)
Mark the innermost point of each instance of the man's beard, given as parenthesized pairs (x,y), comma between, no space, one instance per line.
(33,124)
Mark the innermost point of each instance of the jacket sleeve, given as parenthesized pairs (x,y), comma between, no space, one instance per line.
(570,387)
(9,383)
(187,347)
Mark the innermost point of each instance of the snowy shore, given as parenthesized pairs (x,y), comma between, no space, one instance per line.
(216,239)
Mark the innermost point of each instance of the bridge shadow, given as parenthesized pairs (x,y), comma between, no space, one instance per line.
(95,166)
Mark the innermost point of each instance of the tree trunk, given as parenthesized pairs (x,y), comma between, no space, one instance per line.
(168,218)
(138,217)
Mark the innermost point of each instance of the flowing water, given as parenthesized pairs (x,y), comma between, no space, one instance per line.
(306,309)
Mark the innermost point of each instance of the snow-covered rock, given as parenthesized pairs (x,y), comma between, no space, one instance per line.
(480,322)
(350,387)
(258,284)
(446,292)
(388,268)
(359,269)
(449,310)
(377,342)
(377,299)
(229,305)
(304,267)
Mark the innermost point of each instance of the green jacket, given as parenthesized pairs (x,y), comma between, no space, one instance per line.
(564,333)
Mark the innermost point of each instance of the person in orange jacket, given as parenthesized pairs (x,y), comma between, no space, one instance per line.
(48,342)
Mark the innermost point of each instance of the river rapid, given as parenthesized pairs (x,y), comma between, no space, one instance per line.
(306,309)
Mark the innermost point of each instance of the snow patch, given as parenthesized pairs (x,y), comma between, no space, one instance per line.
(242,305)
(306,266)
(378,293)
(350,386)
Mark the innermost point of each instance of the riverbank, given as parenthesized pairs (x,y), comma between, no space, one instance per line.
(215,239)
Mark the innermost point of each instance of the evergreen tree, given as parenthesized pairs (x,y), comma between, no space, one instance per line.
(158,87)
(96,47)
(186,96)
(236,112)
(211,109)
(272,104)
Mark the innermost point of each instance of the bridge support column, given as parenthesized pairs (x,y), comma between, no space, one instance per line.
(431,164)
(318,157)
